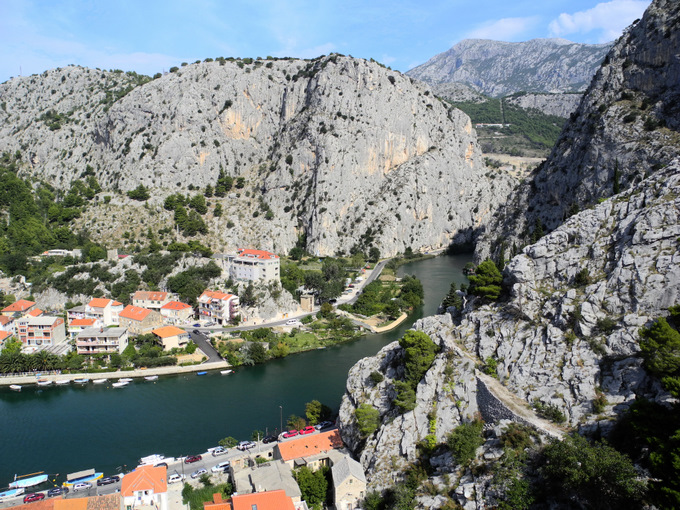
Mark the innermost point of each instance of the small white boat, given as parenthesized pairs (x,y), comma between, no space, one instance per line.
(150,377)
(44,383)
(119,384)
(81,380)
(62,382)
(99,381)
(226,372)
(12,493)
(125,380)
(15,387)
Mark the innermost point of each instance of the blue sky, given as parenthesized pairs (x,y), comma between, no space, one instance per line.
(150,36)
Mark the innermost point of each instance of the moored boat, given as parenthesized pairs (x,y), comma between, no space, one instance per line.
(125,380)
(201,373)
(28,482)
(81,380)
(87,475)
(120,384)
(150,377)
(15,387)
(44,383)
(226,372)
(12,493)
(99,381)
(62,382)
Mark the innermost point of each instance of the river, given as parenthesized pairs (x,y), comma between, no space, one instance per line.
(66,429)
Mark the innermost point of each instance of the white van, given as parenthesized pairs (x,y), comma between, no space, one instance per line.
(221,467)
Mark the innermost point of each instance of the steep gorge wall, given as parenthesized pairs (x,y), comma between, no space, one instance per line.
(346,151)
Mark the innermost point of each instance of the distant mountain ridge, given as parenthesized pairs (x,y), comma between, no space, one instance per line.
(497,68)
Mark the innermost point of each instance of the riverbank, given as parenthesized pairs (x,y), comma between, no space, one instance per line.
(169,370)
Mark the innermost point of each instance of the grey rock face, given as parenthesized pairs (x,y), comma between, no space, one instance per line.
(626,127)
(341,149)
(560,105)
(497,68)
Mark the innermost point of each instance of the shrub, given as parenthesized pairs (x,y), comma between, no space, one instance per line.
(549,411)
(486,282)
(582,278)
(464,441)
(377,377)
(368,419)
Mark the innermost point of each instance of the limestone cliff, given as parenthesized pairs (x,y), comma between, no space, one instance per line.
(344,150)
(625,128)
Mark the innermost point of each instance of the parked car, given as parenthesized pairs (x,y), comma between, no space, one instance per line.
(324,425)
(245,445)
(199,472)
(196,332)
(307,430)
(35,496)
(161,464)
(221,467)
(57,491)
(175,477)
(108,480)
(218,450)
(290,433)
(82,486)
(269,439)
(192,458)
(293,322)
(197,325)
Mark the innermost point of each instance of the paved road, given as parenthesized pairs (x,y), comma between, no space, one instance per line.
(204,344)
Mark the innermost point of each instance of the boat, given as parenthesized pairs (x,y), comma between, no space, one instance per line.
(62,382)
(120,384)
(150,377)
(87,475)
(81,380)
(226,372)
(15,387)
(28,482)
(99,381)
(44,382)
(12,493)
(201,373)
(125,380)
(155,459)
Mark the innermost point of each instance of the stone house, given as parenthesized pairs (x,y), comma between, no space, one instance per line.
(139,321)
(349,484)
(176,312)
(172,337)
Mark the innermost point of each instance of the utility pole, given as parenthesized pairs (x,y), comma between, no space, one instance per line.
(281,419)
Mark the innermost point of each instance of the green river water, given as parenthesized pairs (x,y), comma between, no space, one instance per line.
(66,429)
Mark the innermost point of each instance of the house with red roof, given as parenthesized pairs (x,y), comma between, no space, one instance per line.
(4,336)
(313,450)
(77,325)
(172,337)
(266,500)
(255,265)
(7,323)
(138,320)
(175,312)
(18,308)
(105,310)
(153,300)
(38,333)
(146,486)
(217,306)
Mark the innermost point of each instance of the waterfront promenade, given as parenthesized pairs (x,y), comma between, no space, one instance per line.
(33,378)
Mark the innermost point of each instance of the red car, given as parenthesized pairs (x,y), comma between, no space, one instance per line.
(192,458)
(307,430)
(290,433)
(36,496)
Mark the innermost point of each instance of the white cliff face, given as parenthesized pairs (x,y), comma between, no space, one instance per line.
(344,150)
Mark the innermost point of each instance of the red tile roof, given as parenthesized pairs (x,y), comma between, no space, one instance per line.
(19,306)
(175,305)
(83,322)
(150,295)
(215,295)
(145,478)
(99,302)
(36,312)
(168,331)
(135,313)
(4,335)
(217,503)
(258,254)
(310,445)
(268,500)
(5,320)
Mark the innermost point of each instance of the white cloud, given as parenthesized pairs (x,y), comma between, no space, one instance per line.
(505,29)
(608,18)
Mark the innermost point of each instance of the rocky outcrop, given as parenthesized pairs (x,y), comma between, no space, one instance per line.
(343,150)
(625,128)
(497,68)
(560,105)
